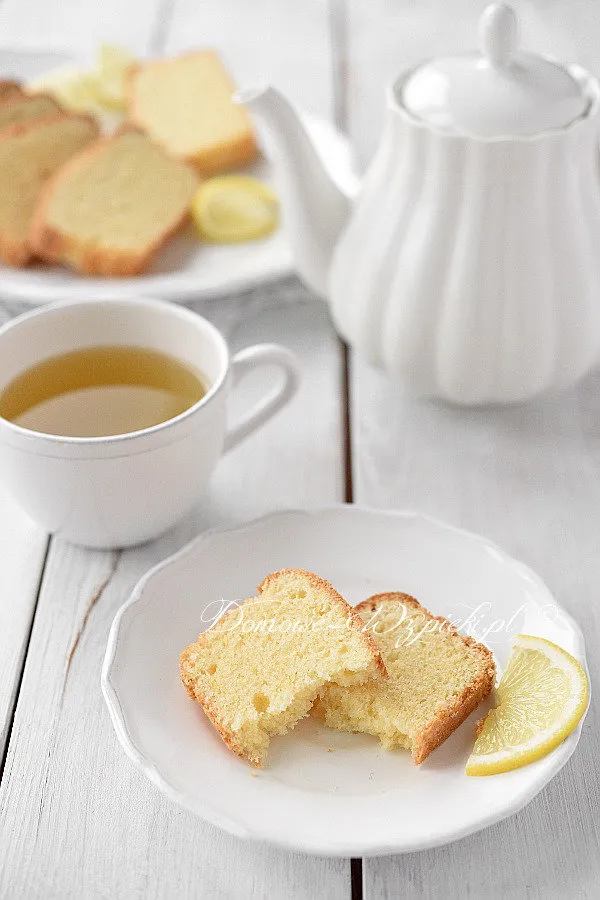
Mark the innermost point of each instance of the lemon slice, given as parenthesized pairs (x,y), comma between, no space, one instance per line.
(73,87)
(95,90)
(234,208)
(112,70)
(540,699)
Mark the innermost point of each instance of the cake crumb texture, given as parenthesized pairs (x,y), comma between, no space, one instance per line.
(437,677)
(258,670)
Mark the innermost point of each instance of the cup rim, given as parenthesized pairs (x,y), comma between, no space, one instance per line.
(182,312)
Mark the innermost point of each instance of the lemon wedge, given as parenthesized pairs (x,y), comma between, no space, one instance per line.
(233,208)
(541,697)
(113,65)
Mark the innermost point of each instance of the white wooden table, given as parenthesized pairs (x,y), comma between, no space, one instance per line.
(76,819)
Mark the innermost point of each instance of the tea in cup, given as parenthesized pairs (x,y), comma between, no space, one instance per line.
(113,414)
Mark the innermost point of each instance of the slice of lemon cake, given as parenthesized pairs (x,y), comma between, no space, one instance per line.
(111,207)
(29,153)
(16,107)
(185,105)
(437,677)
(10,90)
(258,670)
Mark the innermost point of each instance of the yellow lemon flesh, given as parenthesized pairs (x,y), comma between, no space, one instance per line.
(112,71)
(233,208)
(73,87)
(541,697)
(95,90)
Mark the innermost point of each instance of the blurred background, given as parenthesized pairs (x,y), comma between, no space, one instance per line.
(331,56)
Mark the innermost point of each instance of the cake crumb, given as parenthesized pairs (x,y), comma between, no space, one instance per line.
(254,774)
(330,749)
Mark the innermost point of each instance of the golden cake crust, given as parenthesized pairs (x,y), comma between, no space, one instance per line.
(211,710)
(10,90)
(12,95)
(186,658)
(221,156)
(354,618)
(20,252)
(58,246)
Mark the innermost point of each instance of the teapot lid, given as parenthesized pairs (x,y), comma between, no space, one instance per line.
(502,91)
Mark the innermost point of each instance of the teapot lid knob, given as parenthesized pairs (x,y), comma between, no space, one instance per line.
(498,33)
(501,92)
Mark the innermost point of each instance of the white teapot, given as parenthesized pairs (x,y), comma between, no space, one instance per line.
(468,266)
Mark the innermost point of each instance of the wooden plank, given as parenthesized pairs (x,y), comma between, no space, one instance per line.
(29,24)
(528,478)
(76,28)
(98,827)
(22,559)
(22,553)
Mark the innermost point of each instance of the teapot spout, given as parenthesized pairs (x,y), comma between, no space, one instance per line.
(315,208)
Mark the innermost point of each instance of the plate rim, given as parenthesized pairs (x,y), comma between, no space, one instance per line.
(207,812)
(160,286)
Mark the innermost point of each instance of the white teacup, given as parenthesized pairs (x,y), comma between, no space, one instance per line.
(125,489)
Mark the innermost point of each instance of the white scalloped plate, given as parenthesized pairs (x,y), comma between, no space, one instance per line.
(185,269)
(358,800)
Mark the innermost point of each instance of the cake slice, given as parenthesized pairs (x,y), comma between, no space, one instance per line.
(16,107)
(437,677)
(29,153)
(258,670)
(109,210)
(185,105)
(10,90)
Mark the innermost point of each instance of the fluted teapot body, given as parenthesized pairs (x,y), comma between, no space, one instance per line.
(470,268)
(467,266)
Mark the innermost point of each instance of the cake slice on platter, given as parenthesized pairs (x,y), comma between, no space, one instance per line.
(437,677)
(258,670)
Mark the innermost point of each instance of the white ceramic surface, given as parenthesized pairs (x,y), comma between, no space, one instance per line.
(467,268)
(125,489)
(316,202)
(480,283)
(502,90)
(358,800)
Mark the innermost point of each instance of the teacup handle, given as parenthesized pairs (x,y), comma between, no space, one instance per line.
(247,360)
